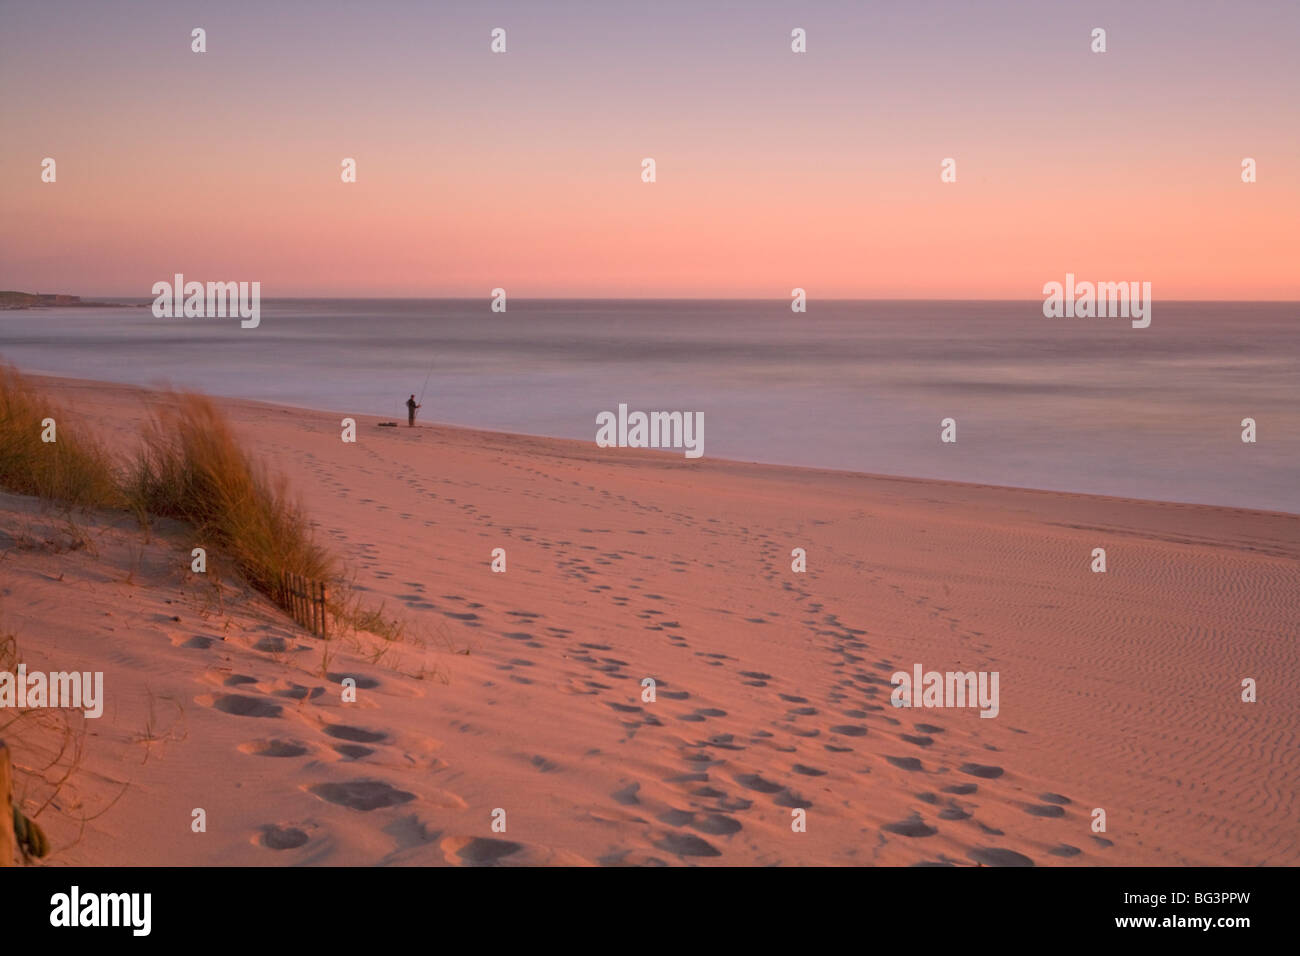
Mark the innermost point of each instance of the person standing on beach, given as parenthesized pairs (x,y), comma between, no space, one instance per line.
(411,406)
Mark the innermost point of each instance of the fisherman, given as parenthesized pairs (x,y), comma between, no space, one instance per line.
(411,406)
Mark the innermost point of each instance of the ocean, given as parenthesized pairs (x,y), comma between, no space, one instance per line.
(1087,405)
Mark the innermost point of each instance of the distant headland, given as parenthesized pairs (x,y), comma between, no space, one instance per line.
(43,300)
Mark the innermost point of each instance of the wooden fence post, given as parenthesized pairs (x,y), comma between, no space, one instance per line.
(319,595)
(8,845)
(306,600)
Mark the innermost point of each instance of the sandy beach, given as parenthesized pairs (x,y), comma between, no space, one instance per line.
(522,691)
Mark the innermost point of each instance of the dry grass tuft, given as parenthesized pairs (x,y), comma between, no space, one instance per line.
(75,470)
(192,468)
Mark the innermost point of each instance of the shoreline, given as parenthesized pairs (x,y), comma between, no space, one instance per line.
(68,382)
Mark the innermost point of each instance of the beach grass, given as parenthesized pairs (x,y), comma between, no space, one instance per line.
(191,467)
(188,466)
(74,469)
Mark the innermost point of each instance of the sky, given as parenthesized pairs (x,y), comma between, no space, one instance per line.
(774,170)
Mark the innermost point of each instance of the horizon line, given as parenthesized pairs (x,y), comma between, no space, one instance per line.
(669,298)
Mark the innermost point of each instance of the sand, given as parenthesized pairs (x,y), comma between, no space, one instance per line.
(522,691)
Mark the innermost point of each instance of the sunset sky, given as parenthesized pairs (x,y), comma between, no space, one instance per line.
(775,170)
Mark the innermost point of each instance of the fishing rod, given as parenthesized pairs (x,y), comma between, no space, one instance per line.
(426,380)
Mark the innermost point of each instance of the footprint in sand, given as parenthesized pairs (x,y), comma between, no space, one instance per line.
(797,732)
(197,642)
(808,771)
(849,730)
(359,735)
(364,795)
(999,856)
(353,751)
(675,818)
(477,851)
(708,793)
(684,844)
(275,748)
(240,705)
(905,763)
(716,824)
(411,831)
(789,798)
(628,795)
(983,771)
(913,826)
(752,781)
(276,837)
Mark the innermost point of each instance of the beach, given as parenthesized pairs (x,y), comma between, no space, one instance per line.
(516,697)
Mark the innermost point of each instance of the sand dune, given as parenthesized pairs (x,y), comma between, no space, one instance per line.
(522,691)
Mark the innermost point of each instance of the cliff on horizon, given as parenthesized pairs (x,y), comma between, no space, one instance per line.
(34,300)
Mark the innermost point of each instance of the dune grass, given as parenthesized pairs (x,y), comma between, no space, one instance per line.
(74,470)
(191,467)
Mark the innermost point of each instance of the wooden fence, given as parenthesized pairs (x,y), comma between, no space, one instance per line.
(304,599)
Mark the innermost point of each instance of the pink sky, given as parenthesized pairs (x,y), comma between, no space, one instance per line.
(775,170)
